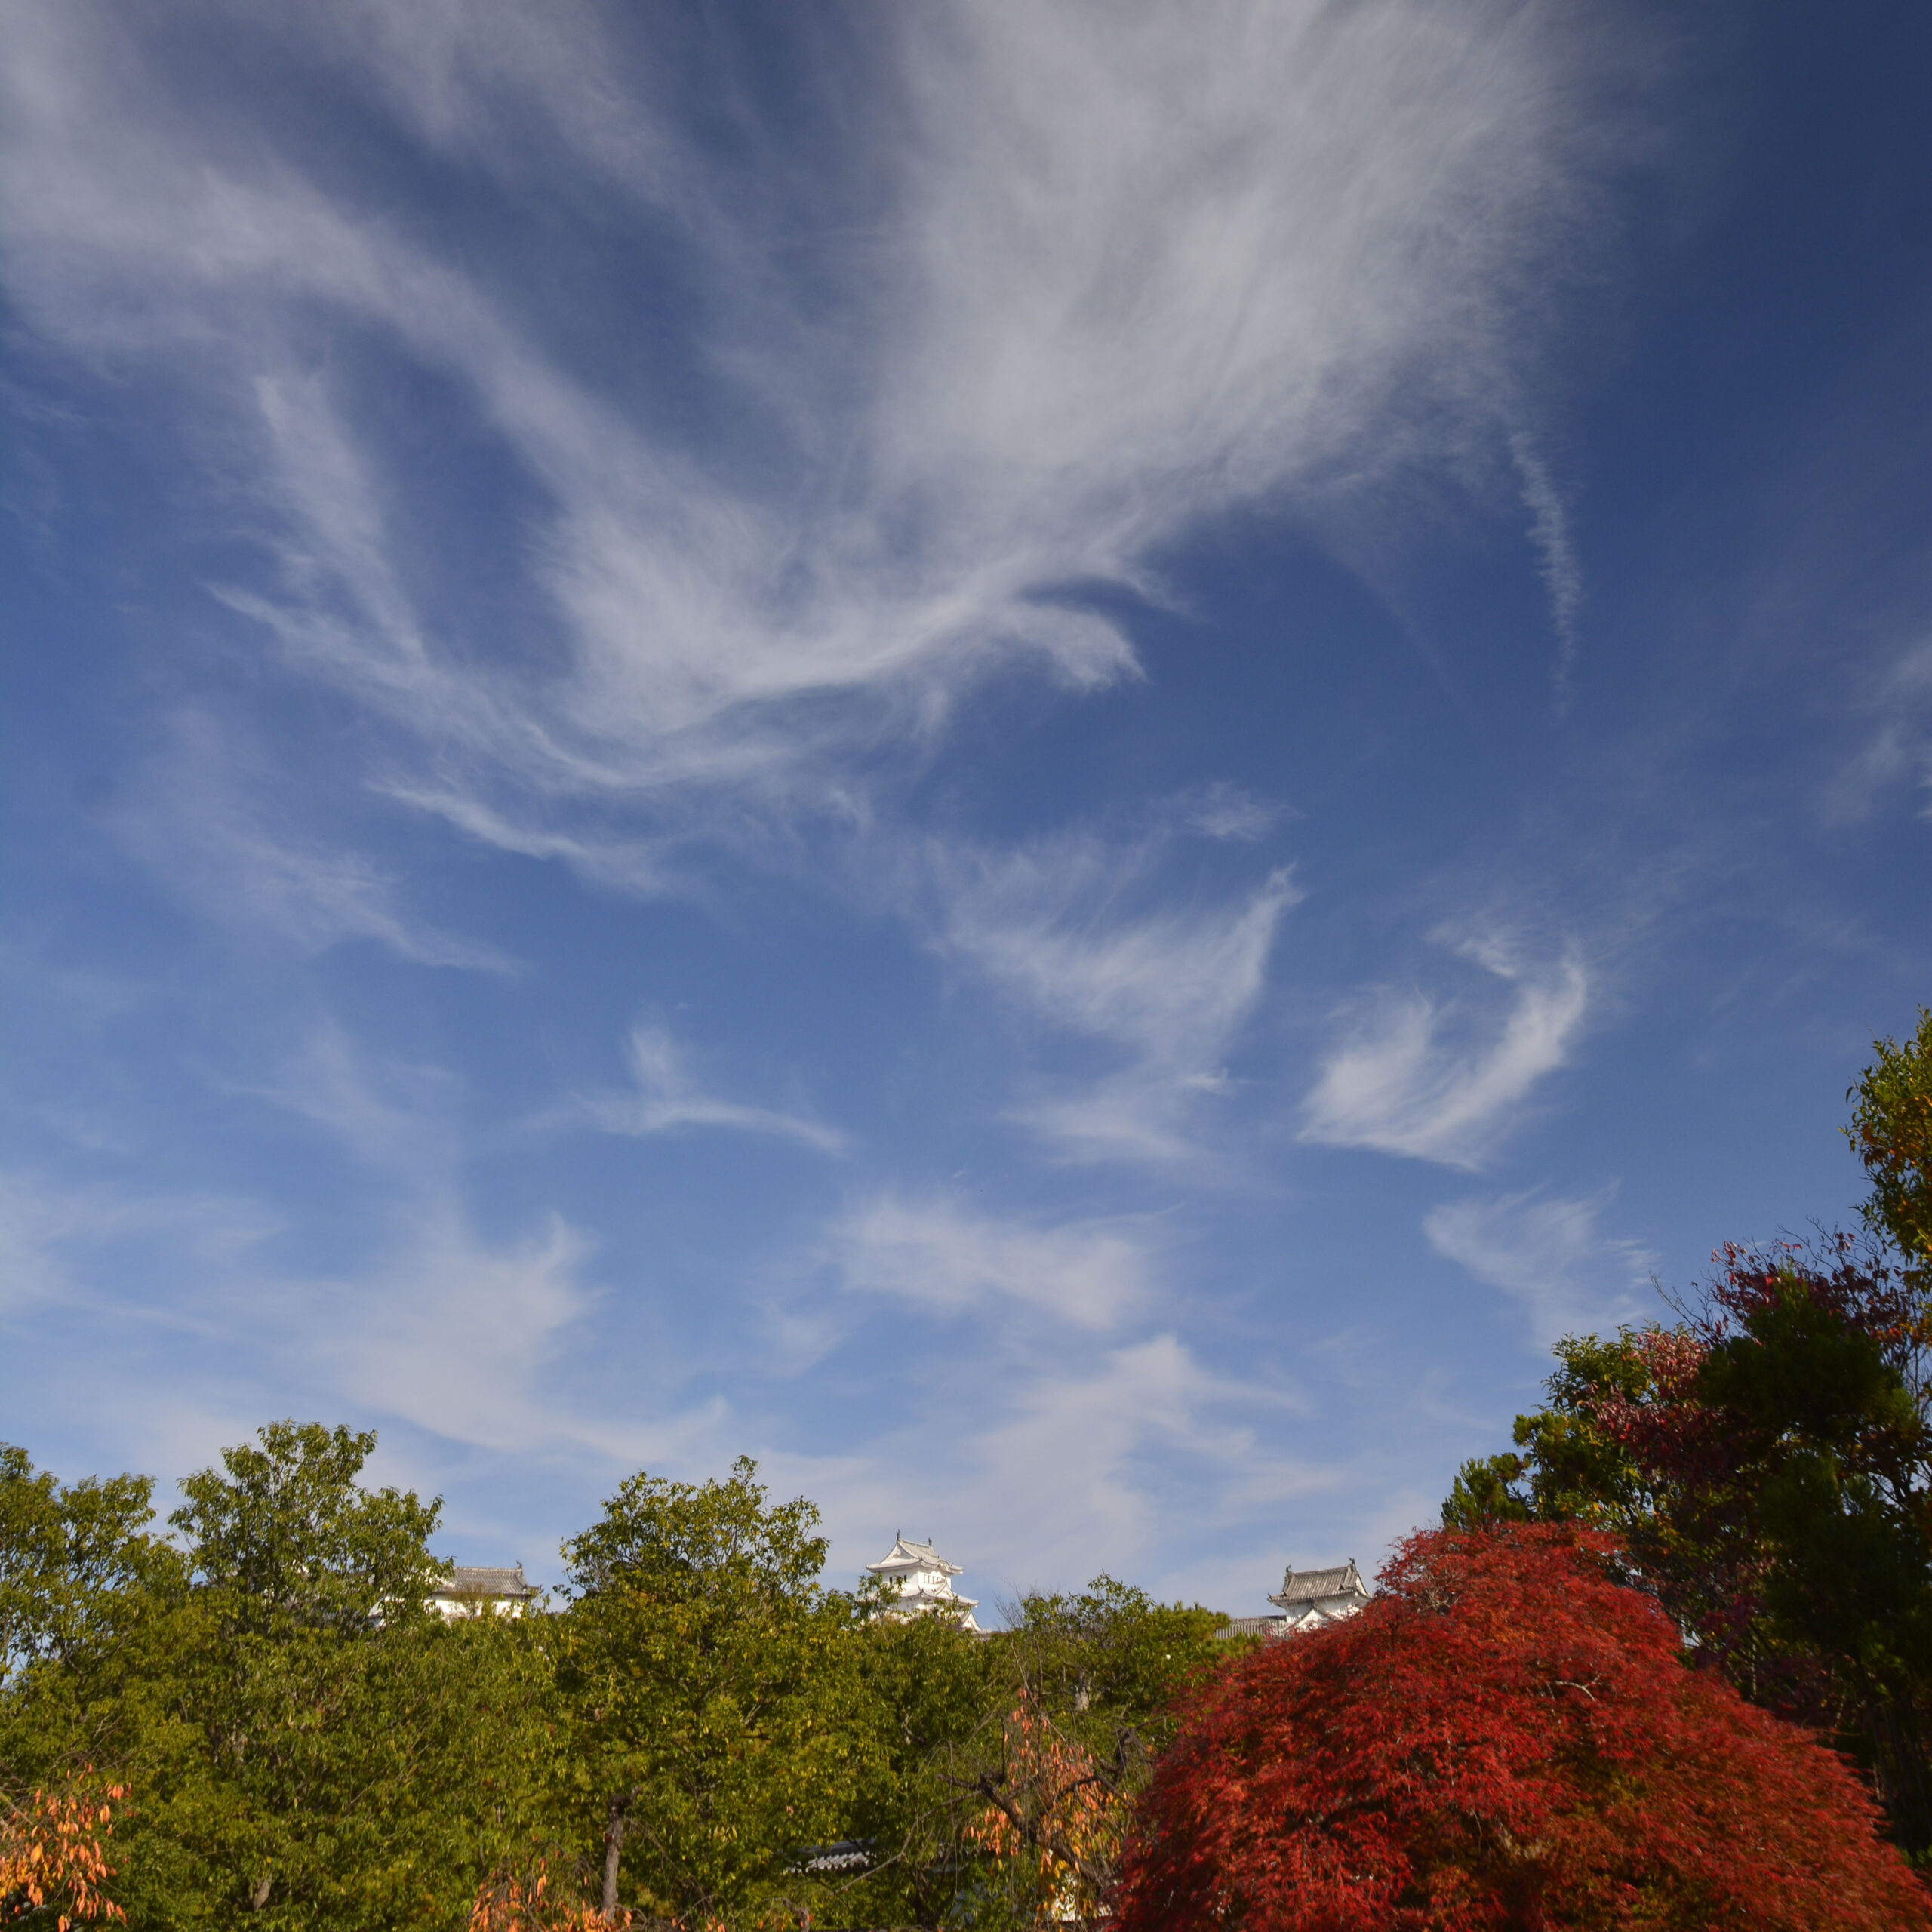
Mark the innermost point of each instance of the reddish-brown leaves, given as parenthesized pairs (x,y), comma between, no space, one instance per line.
(1508,1737)
(53,1853)
(1054,1810)
(508,1903)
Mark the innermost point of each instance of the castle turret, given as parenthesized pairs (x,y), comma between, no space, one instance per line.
(924,1580)
(1309,1599)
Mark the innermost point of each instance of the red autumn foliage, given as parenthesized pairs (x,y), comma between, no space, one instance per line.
(1508,1737)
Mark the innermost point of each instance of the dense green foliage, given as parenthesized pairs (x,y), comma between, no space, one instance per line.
(1891,1127)
(304,1743)
(1013,1763)
(1766,1463)
(718,1709)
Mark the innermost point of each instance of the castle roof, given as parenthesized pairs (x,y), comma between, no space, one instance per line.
(904,1555)
(1321,1585)
(467,1579)
(1251,1626)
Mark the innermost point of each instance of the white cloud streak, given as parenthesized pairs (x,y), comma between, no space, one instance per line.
(938,1253)
(1040,1476)
(1122,269)
(1899,750)
(1134,266)
(667,1098)
(1093,1430)
(1410,1080)
(235,841)
(54,1231)
(464,1334)
(1547,1252)
(453,1333)
(1063,925)
(1562,575)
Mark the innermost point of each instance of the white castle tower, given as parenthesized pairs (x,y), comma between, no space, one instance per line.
(1310,1598)
(924,1580)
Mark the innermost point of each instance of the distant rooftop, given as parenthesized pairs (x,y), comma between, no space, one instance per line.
(848,1855)
(1251,1626)
(477,1585)
(1308,1600)
(906,1555)
(1321,1586)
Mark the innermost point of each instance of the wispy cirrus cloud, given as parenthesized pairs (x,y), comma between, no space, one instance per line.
(937,1252)
(1101,1442)
(1111,1431)
(1548,1252)
(1075,927)
(451,1332)
(434,1322)
(1120,273)
(1556,549)
(394,1119)
(642,484)
(241,844)
(429,1319)
(667,1097)
(1898,751)
(54,1231)
(1056,922)
(1431,1079)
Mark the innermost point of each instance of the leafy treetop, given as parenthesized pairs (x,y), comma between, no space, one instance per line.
(721,1722)
(286,1534)
(1508,1736)
(74,1560)
(1891,1127)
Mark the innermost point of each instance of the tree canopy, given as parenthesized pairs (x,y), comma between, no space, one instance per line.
(1507,1736)
(1891,1128)
(702,1733)
(717,1707)
(301,1744)
(1766,1462)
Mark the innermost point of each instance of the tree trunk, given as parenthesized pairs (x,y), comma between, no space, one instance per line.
(616,1816)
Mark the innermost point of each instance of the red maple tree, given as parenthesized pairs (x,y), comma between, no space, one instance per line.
(1508,1737)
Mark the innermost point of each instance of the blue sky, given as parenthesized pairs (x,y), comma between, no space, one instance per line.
(1058,762)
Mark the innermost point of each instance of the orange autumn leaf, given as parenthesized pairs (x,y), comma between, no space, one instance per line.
(53,1851)
(508,1903)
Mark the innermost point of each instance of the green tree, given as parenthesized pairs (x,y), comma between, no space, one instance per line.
(1074,1706)
(306,1589)
(1817,1387)
(87,1594)
(1108,1657)
(1566,1466)
(75,1563)
(283,1538)
(1891,1128)
(1487,1490)
(303,1745)
(721,1723)
(926,1681)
